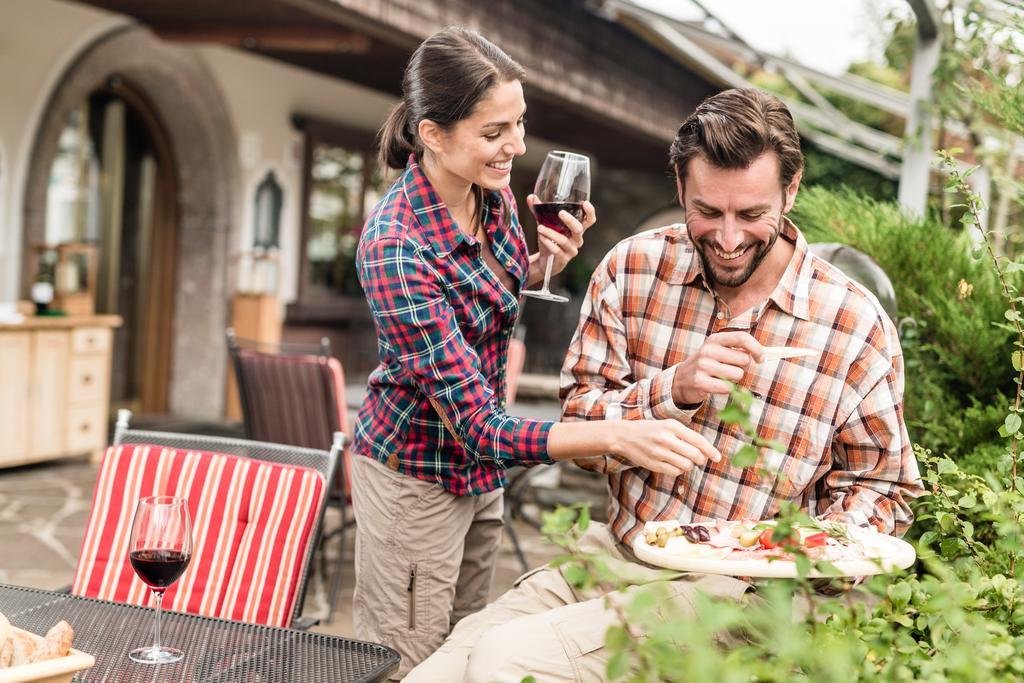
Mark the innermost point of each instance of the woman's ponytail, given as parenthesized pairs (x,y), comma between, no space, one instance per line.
(395,140)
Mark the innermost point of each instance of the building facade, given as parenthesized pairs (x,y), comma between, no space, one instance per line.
(211,149)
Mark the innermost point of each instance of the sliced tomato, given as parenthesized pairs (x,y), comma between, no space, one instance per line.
(766,540)
(816,540)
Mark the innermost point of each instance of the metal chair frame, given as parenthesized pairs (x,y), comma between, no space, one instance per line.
(324,462)
(336,494)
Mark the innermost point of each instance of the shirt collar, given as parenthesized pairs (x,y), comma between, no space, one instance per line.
(790,294)
(440,232)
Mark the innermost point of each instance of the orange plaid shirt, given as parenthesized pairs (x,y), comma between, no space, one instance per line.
(839,414)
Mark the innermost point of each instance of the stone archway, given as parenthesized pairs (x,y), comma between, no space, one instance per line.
(187,103)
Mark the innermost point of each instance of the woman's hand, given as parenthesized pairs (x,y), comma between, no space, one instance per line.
(665,446)
(563,248)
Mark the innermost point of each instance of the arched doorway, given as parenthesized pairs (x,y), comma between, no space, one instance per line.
(151,123)
(112,185)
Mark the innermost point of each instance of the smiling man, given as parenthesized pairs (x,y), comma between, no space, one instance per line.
(674,317)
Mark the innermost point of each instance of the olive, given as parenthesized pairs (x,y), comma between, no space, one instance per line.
(691,535)
(651,539)
(662,540)
(703,534)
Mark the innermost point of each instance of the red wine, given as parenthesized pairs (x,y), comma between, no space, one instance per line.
(159,568)
(547,214)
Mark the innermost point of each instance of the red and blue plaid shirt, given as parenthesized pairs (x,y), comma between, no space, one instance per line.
(435,407)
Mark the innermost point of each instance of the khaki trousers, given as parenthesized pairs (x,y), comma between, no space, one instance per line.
(424,559)
(545,628)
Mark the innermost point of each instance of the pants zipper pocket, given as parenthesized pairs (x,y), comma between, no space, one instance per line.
(411,590)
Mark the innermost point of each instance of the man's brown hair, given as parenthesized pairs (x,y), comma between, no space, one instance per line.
(735,127)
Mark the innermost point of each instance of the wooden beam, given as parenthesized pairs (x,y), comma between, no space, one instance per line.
(270,38)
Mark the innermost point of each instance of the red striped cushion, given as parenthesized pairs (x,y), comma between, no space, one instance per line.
(252,523)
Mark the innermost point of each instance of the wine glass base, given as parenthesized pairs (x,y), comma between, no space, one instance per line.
(152,655)
(546,296)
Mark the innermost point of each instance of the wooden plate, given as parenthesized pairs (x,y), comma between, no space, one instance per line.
(891,554)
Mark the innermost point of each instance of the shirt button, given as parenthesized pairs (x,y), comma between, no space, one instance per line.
(720,315)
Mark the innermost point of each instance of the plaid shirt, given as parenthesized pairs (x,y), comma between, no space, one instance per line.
(435,407)
(839,414)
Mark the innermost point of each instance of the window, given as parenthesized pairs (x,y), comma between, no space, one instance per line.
(343,182)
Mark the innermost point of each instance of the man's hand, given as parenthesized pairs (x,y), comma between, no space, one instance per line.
(723,359)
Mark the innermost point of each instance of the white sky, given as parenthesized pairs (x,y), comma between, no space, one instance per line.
(823,34)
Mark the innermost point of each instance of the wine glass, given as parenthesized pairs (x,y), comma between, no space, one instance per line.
(563,184)
(159,550)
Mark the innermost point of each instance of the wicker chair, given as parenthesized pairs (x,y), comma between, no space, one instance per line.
(202,466)
(295,394)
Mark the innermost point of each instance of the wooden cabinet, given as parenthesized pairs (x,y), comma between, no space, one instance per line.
(54,387)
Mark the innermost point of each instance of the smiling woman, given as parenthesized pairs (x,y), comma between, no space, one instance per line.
(443,261)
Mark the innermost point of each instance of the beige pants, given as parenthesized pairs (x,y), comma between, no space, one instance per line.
(545,628)
(424,559)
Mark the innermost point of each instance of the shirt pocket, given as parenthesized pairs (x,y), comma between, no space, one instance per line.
(804,459)
(794,465)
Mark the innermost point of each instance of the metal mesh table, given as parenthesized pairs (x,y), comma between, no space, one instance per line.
(215,649)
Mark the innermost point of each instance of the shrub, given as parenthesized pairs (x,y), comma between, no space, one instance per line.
(950,330)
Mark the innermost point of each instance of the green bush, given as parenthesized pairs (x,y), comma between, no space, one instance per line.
(957,374)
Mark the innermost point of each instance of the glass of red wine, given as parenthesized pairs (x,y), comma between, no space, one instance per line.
(159,550)
(562,185)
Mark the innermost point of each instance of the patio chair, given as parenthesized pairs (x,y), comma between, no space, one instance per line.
(295,394)
(256,510)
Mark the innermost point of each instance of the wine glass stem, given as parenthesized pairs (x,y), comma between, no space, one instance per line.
(547,272)
(159,596)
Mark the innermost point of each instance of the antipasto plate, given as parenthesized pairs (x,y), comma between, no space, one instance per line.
(747,549)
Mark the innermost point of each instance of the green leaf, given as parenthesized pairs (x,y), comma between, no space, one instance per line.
(928,537)
(1011,315)
(951,547)
(618,666)
(616,638)
(745,456)
(803,565)
(584,520)
(1012,423)
(945,466)
(900,594)
(1016,358)
(731,415)
(1013,267)
(576,575)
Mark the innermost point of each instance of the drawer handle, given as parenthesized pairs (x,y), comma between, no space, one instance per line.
(84,427)
(86,379)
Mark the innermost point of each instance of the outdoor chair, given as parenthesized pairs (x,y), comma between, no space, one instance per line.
(256,510)
(861,268)
(295,394)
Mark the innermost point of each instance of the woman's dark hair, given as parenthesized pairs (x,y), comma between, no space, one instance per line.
(447,75)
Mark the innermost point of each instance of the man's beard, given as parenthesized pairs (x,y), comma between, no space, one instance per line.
(735,278)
